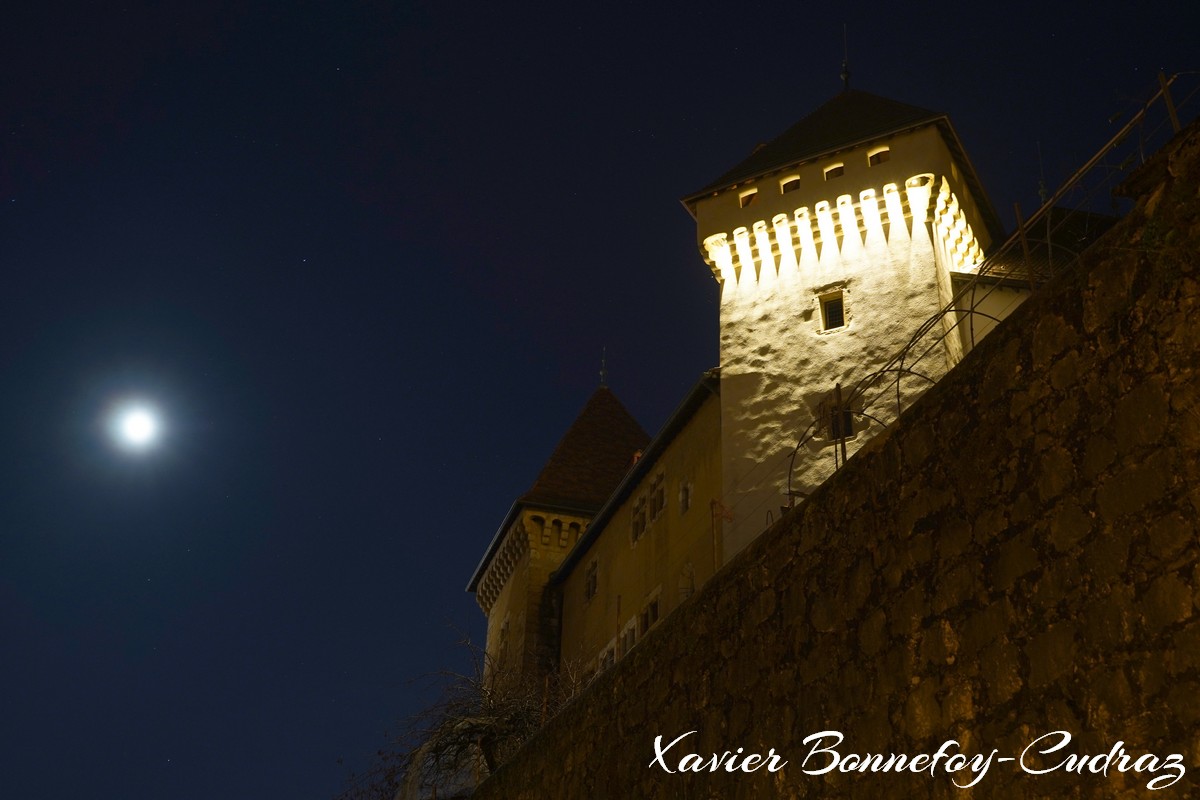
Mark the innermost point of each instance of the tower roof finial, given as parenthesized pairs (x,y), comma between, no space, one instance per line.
(845,61)
(604,366)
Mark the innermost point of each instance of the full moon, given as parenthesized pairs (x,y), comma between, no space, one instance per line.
(135,427)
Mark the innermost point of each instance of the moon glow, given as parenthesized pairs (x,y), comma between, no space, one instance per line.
(135,427)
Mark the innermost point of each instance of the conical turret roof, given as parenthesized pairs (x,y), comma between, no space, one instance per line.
(592,457)
(585,468)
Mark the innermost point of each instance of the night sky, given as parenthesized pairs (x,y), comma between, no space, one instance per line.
(364,258)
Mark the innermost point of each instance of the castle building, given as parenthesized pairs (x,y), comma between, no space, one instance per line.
(832,244)
(543,525)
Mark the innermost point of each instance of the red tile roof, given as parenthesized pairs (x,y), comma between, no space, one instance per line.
(591,458)
(585,468)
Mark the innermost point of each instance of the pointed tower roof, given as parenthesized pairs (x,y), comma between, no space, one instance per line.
(585,468)
(592,457)
(850,119)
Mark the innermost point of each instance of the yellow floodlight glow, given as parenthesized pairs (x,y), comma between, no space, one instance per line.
(895,208)
(825,225)
(960,226)
(868,204)
(851,240)
(808,247)
(976,254)
(944,221)
(918,188)
(718,251)
(943,199)
(787,248)
(762,240)
(741,243)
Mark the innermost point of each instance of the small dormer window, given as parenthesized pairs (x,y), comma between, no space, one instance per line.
(834,171)
(878,156)
(789,184)
(747,198)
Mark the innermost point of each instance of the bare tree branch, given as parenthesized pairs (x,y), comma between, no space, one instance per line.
(479,721)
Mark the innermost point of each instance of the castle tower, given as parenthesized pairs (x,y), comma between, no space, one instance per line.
(510,583)
(832,244)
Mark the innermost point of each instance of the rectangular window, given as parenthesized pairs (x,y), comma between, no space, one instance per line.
(628,638)
(879,156)
(841,424)
(685,497)
(747,198)
(638,523)
(658,497)
(833,313)
(589,582)
(834,171)
(649,615)
(789,185)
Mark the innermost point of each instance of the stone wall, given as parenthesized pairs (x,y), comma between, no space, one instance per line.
(1018,556)
(779,363)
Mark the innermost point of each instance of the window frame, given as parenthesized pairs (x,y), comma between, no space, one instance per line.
(591,581)
(823,303)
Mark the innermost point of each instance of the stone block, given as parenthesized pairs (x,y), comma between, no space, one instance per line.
(1169,600)
(1069,524)
(1015,558)
(1000,669)
(1051,654)
(1141,415)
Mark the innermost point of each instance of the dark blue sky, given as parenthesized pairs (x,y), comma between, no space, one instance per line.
(365,255)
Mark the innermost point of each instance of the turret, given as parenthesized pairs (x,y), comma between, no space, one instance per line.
(832,244)
(541,527)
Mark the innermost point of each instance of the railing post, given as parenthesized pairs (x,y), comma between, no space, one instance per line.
(1166,93)
(841,418)
(1025,246)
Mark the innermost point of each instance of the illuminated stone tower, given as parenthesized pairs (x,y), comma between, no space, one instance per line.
(832,244)
(510,583)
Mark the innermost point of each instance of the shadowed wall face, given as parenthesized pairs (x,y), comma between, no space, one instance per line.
(630,579)
(1018,556)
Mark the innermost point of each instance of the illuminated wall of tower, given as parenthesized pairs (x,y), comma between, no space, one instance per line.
(827,266)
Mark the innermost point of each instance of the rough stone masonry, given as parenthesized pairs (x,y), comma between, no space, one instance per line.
(1018,556)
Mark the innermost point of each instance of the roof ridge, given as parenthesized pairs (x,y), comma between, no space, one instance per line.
(847,118)
(591,457)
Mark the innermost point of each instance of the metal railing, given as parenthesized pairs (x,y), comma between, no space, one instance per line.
(1039,248)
